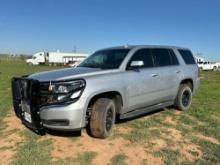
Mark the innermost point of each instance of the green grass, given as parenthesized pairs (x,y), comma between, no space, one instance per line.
(84,158)
(32,151)
(211,152)
(118,159)
(169,156)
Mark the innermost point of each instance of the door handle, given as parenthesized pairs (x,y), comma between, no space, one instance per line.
(154,75)
(177,71)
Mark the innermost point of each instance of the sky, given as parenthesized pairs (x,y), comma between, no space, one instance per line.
(29,26)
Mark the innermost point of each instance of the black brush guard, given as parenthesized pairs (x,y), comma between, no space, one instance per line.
(26,91)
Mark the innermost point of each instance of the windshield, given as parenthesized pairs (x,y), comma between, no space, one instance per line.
(105,59)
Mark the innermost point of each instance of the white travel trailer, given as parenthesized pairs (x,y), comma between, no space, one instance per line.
(56,58)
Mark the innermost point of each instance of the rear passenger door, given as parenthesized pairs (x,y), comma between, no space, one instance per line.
(142,84)
(167,62)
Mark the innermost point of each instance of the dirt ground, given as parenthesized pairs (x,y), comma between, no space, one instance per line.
(65,147)
(10,138)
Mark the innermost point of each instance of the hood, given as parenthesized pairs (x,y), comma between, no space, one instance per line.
(62,74)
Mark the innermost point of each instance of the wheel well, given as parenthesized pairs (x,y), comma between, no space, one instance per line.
(116,96)
(189,82)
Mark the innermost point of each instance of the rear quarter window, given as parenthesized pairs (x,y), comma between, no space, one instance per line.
(174,59)
(187,56)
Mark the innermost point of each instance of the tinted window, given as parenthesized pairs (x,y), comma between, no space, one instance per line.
(105,59)
(174,60)
(161,57)
(143,55)
(187,56)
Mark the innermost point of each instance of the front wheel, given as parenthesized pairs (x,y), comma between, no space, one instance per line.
(102,118)
(184,97)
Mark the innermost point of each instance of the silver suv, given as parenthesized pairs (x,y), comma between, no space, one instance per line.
(124,81)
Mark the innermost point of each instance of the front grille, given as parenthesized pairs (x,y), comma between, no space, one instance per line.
(26,90)
(44,93)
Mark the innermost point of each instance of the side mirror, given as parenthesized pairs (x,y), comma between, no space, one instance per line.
(136,64)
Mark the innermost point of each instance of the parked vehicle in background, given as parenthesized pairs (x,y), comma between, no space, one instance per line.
(218,63)
(56,58)
(206,65)
(123,81)
(199,59)
(37,59)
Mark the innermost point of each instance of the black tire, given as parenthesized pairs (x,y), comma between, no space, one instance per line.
(102,118)
(184,97)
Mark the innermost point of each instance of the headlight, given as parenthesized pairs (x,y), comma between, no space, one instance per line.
(67,91)
(66,87)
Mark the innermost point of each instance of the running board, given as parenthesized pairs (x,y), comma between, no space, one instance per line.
(145,110)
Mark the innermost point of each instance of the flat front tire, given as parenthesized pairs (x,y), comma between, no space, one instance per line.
(102,118)
(184,97)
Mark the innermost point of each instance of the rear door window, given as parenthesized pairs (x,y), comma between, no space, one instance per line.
(161,57)
(187,56)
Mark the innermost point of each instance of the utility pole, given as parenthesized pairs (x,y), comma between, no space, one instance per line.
(74,49)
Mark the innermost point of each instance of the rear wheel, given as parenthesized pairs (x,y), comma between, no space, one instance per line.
(184,97)
(102,118)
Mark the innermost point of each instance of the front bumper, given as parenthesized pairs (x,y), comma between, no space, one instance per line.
(63,117)
(26,100)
